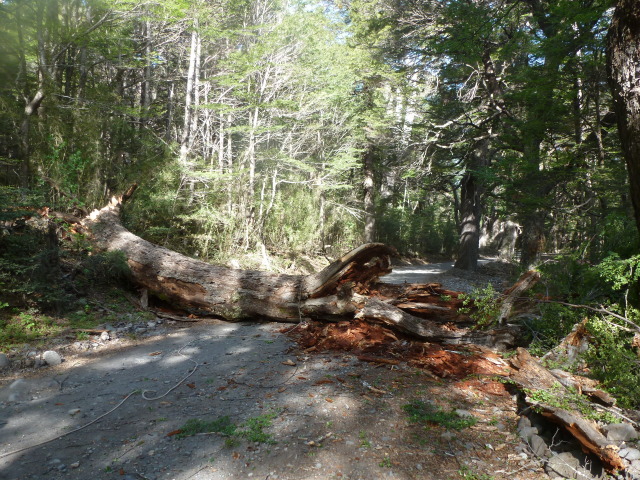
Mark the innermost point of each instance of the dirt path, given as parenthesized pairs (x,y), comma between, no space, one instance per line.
(304,415)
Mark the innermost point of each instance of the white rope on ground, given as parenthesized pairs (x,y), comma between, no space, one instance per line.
(177,384)
(70,432)
(95,420)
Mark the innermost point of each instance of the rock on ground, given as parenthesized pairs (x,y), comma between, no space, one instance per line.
(52,358)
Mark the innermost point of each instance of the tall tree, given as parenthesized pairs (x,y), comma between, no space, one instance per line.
(623,68)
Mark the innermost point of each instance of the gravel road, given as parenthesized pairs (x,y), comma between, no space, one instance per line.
(112,412)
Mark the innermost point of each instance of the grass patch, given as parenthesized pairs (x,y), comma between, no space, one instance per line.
(253,430)
(26,327)
(195,426)
(467,474)
(427,414)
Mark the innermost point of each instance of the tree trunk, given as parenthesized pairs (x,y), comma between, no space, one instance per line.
(623,58)
(236,294)
(348,288)
(468,250)
(471,210)
(369,192)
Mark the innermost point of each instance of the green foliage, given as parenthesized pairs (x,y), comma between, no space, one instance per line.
(568,399)
(195,426)
(427,414)
(570,276)
(431,232)
(621,274)
(482,304)
(30,269)
(468,474)
(26,327)
(107,268)
(546,330)
(612,360)
(364,441)
(252,430)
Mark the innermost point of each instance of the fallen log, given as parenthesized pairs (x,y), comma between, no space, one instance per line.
(376,310)
(547,395)
(205,289)
(341,291)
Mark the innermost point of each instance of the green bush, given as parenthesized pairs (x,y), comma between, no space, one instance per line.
(482,305)
(30,272)
(612,360)
(546,330)
(107,268)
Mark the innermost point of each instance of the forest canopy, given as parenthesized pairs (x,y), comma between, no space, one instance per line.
(272,127)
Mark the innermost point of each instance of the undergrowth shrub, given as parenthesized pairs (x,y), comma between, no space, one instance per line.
(106,268)
(30,270)
(546,330)
(482,305)
(611,287)
(613,362)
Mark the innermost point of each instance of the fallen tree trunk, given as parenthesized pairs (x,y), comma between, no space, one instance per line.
(378,311)
(547,394)
(207,289)
(339,292)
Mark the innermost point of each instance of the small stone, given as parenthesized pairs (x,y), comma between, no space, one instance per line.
(52,358)
(4,361)
(140,330)
(539,447)
(464,413)
(527,432)
(151,325)
(565,464)
(418,466)
(630,454)
(75,465)
(620,432)
(447,435)
(74,411)
(104,336)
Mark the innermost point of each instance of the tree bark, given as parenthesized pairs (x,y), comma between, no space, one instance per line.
(471,210)
(623,58)
(231,294)
(369,196)
(346,289)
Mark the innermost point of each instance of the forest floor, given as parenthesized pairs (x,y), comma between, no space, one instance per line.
(216,400)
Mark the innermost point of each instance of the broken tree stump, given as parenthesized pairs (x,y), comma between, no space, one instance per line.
(526,281)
